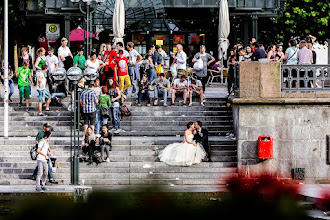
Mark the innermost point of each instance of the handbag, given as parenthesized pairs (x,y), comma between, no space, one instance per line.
(198,65)
(105,112)
(159,68)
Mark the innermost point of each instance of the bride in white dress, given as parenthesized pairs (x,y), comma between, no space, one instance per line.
(183,154)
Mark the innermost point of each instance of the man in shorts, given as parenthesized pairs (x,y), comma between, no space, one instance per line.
(88,101)
(180,86)
(44,95)
(24,75)
(195,90)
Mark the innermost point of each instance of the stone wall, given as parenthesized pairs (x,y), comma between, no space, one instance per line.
(299,134)
(298,122)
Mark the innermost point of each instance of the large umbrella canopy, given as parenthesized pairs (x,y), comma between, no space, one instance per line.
(79,35)
(224,29)
(118,21)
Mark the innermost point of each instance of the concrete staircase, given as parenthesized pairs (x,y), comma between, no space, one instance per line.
(133,158)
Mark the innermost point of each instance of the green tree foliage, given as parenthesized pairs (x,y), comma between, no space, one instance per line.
(301,18)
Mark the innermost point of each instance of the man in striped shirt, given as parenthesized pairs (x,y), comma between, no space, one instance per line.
(88,101)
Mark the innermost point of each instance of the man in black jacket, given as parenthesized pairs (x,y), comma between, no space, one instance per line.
(202,137)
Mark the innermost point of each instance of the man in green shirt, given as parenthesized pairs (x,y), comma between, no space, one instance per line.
(79,60)
(24,75)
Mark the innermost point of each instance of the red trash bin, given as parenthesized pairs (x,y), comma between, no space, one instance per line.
(265,147)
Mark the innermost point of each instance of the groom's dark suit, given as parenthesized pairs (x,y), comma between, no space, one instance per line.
(202,137)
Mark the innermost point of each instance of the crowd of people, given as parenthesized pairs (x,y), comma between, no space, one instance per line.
(301,53)
(117,70)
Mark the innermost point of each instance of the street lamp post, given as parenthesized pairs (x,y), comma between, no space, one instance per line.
(74,74)
(88,14)
(6,85)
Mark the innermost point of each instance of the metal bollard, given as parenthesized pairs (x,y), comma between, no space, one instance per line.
(81,193)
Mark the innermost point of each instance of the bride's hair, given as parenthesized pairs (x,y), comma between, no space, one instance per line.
(189,124)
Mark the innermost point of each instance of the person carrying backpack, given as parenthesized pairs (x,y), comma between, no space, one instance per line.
(40,135)
(42,160)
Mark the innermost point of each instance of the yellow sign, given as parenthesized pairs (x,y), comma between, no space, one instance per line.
(175,50)
(52,28)
(159,42)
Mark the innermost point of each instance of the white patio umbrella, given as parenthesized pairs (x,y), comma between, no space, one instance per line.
(224,30)
(118,21)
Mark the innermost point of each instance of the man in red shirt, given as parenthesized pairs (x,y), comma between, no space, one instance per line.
(109,60)
(121,70)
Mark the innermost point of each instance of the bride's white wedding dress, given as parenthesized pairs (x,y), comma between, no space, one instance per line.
(182,154)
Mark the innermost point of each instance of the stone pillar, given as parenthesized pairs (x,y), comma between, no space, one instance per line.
(260,80)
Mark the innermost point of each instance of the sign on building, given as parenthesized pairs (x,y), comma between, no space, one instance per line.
(52,31)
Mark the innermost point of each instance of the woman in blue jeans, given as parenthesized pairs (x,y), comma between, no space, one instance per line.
(10,81)
(115,95)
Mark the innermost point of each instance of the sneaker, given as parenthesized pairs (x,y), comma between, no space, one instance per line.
(70,108)
(202,104)
(156,102)
(39,190)
(172,103)
(107,160)
(53,181)
(119,130)
(190,104)
(44,188)
(165,105)
(41,114)
(20,105)
(113,129)
(10,100)
(27,109)
(47,109)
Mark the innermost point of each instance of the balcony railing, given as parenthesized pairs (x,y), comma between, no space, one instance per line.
(305,78)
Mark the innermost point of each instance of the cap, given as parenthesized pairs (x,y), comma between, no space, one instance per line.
(47,125)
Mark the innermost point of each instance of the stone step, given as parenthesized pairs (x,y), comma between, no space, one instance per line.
(114,152)
(135,166)
(27,130)
(120,140)
(123,123)
(115,147)
(109,182)
(218,132)
(37,118)
(115,158)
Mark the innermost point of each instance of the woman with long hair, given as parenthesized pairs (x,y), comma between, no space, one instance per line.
(88,144)
(115,95)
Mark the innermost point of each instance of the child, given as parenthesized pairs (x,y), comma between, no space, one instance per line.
(24,75)
(121,70)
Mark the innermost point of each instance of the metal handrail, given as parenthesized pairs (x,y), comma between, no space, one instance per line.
(305,78)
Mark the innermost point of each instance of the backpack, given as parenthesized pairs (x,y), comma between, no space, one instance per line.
(124,110)
(33,151)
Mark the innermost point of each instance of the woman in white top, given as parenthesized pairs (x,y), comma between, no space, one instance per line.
(291,53)
(63,51)
(93,64)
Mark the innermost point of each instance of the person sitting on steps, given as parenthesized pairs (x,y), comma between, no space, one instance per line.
(180,86)
(143,90)
(88,144)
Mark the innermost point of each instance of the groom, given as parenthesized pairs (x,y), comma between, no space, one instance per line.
(202,137)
